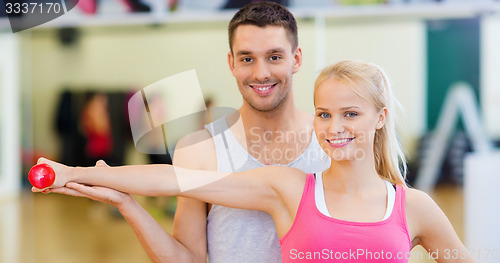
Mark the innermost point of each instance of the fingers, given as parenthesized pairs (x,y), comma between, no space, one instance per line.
(36,190)
(78,187)
(68,191)
(43,160)
(90,191)
(97,193)
(59,190)
(101,163)
(73,189)
(51,163)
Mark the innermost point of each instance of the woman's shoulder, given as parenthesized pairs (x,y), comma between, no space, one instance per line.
(285,172)
(417,200)
(285,178)
(422,212)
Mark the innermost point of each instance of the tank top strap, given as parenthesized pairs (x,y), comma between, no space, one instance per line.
(307,200)
(305,205)
(399,202)
(229,155)
(218,126)
(400,207)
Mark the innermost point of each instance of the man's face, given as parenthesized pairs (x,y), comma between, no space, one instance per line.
(263,62)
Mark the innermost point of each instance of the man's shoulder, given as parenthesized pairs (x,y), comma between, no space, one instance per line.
(307,118)
(196,151)
(194,138)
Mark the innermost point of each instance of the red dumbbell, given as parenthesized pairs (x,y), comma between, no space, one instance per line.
(42,176)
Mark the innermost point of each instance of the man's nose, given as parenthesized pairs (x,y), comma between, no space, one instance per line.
(261,71)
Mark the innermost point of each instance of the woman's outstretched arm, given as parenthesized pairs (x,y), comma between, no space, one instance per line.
(257,189)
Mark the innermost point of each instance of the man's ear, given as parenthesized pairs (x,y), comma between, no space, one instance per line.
(381,118)
(297,59)
(230,61)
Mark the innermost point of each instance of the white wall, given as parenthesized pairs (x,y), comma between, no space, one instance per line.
(9,116)
(137,56)
(9,148)
(490,77)
(125,58)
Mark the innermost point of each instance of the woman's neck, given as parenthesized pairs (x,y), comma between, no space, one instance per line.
(352,176)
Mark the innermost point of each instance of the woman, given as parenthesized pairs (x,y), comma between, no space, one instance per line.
(358,210)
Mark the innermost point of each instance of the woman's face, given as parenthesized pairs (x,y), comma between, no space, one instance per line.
(345,123)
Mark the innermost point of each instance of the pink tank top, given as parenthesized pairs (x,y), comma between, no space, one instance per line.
(315,237)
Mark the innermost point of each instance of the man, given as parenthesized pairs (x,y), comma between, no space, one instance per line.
(264,54)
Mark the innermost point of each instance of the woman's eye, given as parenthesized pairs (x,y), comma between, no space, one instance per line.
(351,114)
(324,115)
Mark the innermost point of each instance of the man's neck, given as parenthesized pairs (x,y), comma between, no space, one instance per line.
(284,118)
(287,130)
(268,121)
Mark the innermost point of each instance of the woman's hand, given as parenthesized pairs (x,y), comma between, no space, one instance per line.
(97,193)
(62,174)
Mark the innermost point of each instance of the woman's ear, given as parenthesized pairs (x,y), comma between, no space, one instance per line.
(381,118)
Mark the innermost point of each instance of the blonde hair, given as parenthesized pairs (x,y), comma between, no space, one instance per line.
(390,162)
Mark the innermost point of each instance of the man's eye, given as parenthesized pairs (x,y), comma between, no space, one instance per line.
(273,58)
(246,59)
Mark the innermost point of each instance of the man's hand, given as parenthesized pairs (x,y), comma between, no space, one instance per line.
(97,193)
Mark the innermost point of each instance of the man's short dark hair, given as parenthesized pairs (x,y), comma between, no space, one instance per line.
(264,14)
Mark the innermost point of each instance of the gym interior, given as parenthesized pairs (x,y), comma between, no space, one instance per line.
(442,58)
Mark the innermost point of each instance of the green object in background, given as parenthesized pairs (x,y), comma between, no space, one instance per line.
(453,55)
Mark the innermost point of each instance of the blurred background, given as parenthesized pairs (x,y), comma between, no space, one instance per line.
(65,79)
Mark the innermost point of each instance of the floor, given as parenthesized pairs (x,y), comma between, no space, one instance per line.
(59,229)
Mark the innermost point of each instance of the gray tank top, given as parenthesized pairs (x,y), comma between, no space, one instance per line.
(236,235)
